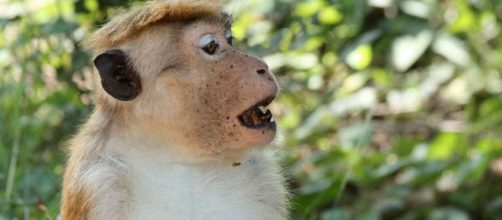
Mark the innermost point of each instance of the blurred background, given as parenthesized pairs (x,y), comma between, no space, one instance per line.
(391,109)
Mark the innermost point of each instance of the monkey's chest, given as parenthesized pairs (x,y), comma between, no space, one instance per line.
(180,192)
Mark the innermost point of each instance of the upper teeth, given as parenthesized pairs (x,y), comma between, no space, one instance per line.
(263,109)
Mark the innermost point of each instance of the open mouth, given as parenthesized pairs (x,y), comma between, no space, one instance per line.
(258,116)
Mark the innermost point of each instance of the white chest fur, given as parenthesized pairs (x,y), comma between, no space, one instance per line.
(252,190)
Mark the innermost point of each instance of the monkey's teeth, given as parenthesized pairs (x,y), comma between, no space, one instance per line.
(263,109)
(258,116)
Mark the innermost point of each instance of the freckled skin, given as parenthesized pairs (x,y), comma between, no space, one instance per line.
(232,82)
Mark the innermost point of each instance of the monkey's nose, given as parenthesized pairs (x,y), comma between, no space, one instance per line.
(265,73)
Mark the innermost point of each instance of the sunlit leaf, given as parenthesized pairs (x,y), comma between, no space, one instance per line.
(422,9)
(330,16)
(407,49)
(461,17)
(360,58)
(365,98)
(453,49)
(444,146)
(308,8)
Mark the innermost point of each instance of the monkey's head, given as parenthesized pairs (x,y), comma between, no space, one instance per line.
(170,72)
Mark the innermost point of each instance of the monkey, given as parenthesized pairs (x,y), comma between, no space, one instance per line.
(180,127)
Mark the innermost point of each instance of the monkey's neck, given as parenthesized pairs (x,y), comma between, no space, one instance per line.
(133,143)
(212,190)
(161,184)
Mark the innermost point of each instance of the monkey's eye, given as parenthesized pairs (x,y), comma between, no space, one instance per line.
(211,47)
(209,44)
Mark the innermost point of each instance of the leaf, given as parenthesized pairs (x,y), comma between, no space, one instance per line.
(356,135)
(448,213)
(360,58)
(444,145)
(389,208)
(463,19)
(388,169)
(308,9)
(365,98)
(452,49)
(330,16)
(416,8)
(494,207)
(335,214)
(407,49)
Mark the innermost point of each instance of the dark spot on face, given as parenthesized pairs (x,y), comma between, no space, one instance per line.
(228,118)
(235,125)
(217,82)
(231,134)
(231,66)
(236,164)
(262,132)
(216,62)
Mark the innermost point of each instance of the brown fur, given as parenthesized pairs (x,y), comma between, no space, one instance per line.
(78,198)
(187,109)
(77,205)
(125,27)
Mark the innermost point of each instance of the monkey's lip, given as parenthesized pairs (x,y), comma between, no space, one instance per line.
(258,116)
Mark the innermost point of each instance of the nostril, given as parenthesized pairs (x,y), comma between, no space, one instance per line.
(261,72)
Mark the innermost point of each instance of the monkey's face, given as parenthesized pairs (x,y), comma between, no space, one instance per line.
(198,92)
(230,89)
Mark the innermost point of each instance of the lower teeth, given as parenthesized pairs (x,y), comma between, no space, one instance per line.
(257,117)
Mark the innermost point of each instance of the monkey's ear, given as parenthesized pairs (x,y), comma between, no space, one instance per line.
(118,77)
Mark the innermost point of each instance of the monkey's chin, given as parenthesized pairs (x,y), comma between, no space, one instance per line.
(270,126)
(263,135)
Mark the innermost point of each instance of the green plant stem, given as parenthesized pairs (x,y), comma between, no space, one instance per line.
(347,175)
(15,145)
(16,138)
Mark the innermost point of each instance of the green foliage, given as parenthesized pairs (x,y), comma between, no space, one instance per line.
(391,109)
